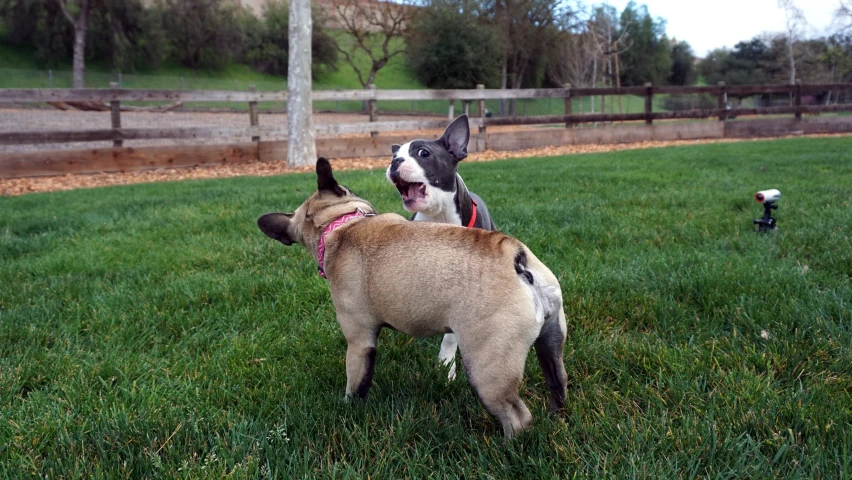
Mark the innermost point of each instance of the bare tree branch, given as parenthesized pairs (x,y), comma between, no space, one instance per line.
(65,11)
(844,14)
(373,25)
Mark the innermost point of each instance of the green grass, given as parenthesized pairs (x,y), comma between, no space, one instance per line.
(153,331)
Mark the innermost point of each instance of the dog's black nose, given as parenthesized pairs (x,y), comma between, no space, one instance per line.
(396,162)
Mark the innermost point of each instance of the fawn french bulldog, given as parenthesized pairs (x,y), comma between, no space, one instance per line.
(424,279)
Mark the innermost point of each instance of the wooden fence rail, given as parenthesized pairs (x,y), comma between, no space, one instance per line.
(112,97)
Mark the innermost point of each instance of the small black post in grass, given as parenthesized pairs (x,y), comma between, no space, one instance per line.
(768,199)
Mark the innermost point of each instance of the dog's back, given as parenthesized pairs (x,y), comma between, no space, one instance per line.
(439,273)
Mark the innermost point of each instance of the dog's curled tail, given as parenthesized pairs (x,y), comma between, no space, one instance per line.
(521,266)
(545,289)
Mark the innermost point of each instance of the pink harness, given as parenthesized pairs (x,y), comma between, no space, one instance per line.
(330,228)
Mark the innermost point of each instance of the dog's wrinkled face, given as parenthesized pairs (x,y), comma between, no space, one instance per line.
(424,171)
(305,225)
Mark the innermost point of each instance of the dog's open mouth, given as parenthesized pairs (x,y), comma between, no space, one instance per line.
(410,191)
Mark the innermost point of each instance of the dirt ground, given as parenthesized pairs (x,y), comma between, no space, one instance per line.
(21,186)
(23,120)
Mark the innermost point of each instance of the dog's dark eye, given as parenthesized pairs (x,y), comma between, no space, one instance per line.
(422,153)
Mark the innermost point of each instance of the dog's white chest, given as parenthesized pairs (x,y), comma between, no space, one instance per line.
(442,209)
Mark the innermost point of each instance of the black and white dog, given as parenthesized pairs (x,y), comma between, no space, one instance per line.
(426,174)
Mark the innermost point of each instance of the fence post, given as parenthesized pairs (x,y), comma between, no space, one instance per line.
(451,112)
(649,104)
(480,105)
(115,116)
(723,101)
(253,120)
(373,108)
(798,100)
(568,108)
(466,104)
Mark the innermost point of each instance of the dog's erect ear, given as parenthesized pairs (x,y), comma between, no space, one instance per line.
(275,226)
(395,148)
(456,136)
(325,179)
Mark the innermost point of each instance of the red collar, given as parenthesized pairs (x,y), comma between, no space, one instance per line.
(472,216)
(330,228)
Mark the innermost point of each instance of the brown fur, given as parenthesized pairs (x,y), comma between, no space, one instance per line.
(427,279)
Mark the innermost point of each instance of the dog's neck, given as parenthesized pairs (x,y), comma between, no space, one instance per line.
(339,222)
(455,208)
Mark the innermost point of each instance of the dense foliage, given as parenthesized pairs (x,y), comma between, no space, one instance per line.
(127,35)
(452,48)
(450,44)
(267,41)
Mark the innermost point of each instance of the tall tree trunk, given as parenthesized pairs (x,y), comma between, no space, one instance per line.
(81,27)
(594,83)
(80,52)
(503,83)
(301,144)
(792,61)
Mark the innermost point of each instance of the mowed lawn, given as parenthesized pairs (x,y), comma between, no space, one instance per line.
(154,331)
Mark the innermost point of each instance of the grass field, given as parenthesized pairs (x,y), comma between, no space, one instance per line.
(152,330)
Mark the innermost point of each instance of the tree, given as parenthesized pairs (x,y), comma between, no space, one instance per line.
(81,26)
(713,66)
(683,65)
(794,24)
(301,144)
(448,47)
(202,33)
(649,58)
(40,25)
(750,62)
(574,59)
(844,14)
(267,41)
(376,29)
(526,28)
(838,57)
(126,35)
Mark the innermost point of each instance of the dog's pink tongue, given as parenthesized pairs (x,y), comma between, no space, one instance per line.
(413,190)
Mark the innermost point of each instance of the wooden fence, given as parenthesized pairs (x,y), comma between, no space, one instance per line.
(118,159)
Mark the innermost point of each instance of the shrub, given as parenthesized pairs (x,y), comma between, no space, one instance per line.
(267,41)
(449,48)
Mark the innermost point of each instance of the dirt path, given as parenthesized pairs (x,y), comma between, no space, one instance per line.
(21,186)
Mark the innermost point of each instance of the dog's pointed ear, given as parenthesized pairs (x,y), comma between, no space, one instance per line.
(276,226)
(395,148)
(325,179)
(456,137)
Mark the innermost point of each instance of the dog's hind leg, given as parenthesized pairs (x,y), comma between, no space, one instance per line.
(447,355)
(548,348)
(495,372)
(360,361)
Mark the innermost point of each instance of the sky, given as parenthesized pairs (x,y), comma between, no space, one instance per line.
(723,23)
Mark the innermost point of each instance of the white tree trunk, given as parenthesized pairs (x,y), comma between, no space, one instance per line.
(80,51)
(504,75)
(81,27)
(301,144)
(792,61)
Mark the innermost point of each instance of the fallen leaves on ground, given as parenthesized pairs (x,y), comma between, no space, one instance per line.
(21,186)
